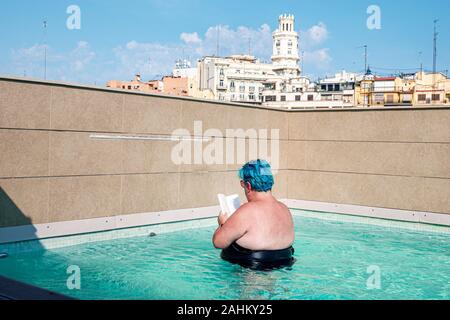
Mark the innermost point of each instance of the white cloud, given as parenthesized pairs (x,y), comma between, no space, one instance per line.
(320,58)
(30,61)
(81,56)
(238,41)
(60,65)
(318,33)
(190,38)
(152,59)
(315,35)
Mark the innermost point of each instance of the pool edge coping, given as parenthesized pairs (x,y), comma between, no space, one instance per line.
(78,227)
(104,224)
(421,217)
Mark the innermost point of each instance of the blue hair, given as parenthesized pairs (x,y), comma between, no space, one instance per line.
(259,174)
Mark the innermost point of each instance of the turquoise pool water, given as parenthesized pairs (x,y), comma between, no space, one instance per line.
(333,260)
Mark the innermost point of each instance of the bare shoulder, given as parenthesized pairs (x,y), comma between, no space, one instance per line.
(247,208)
(245,211)
(283,205)
(284,209)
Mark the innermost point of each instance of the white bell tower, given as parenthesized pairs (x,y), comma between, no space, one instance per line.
(285,56)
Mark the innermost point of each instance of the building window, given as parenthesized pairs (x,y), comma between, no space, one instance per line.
(221,72)
(310,97)
(283,98)
(242,97)
(324,87)
(241,88)
(422,97)
(269,86)
(232,84)
(337,87)
(251,97)
(407,98)
(278,43)
(221,83)
(290,43)
(348,99)
(289,51)
(436,97)
(298,98)
(390,98)
(378,98)
(271,98)
(251,88)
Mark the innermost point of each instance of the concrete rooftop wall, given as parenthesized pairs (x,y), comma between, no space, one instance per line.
(51,170)
(398,159)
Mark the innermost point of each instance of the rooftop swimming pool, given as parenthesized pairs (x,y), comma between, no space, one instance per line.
(338,257)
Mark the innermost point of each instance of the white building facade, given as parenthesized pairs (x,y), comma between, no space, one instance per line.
(244,78)
(279,84)
(239,78)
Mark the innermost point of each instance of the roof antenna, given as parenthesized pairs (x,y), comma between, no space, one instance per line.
(435,35)
(45,49)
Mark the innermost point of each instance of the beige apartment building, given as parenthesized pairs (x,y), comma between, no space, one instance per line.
(171,85)
(432,89)
(154,86)
(419,89)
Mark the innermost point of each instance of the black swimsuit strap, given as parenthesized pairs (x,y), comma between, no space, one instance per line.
(245,250)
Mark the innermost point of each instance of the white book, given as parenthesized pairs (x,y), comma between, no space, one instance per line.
(229,204)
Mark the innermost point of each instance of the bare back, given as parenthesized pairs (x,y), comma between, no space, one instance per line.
(269,225)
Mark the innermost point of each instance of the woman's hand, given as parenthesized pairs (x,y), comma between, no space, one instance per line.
(223,217)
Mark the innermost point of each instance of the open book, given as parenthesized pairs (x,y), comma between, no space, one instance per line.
(229,204)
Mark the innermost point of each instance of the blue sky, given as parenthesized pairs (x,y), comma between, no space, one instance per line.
(120,38)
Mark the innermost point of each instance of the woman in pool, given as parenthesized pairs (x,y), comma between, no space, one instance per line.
(260,234)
